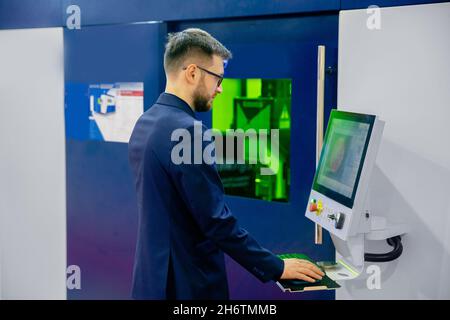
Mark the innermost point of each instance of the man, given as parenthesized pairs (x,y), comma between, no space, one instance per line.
(184,224)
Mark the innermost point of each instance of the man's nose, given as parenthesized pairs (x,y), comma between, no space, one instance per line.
(219,89)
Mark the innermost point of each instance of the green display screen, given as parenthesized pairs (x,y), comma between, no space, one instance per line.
(343,155)
(254,118)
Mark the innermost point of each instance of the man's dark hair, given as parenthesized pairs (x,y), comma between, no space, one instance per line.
(191,42)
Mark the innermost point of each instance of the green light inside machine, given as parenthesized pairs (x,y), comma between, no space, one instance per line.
(253,117)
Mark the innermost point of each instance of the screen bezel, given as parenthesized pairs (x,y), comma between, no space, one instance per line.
(355,117)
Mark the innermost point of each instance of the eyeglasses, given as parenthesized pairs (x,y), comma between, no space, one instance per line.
(219,82)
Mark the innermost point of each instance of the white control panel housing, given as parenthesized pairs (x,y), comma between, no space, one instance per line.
(340,220)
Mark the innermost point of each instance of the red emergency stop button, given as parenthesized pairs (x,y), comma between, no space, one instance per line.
(313,207)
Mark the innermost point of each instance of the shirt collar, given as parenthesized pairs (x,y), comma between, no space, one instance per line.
(174,101)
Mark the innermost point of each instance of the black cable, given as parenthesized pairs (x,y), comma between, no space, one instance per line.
(395,242)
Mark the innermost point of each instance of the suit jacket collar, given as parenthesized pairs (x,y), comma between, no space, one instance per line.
(169,99)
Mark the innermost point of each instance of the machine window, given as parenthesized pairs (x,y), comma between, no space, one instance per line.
(253,118)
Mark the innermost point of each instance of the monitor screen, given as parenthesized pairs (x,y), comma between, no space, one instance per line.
(343,155)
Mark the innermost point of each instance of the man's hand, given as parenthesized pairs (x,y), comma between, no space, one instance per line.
(301,269)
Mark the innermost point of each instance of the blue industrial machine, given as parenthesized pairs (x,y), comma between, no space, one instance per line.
(269,41)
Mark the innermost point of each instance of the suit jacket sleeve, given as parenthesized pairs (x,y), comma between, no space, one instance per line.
(201,189)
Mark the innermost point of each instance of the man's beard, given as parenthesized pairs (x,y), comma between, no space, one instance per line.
(200,101)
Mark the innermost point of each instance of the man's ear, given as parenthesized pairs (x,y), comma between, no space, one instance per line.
(190,73)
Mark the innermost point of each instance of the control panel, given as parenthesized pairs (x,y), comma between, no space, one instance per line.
(330,214)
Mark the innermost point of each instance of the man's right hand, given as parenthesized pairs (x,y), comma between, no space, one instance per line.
(301,269)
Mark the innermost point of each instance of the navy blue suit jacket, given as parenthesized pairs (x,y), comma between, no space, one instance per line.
(184,224)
